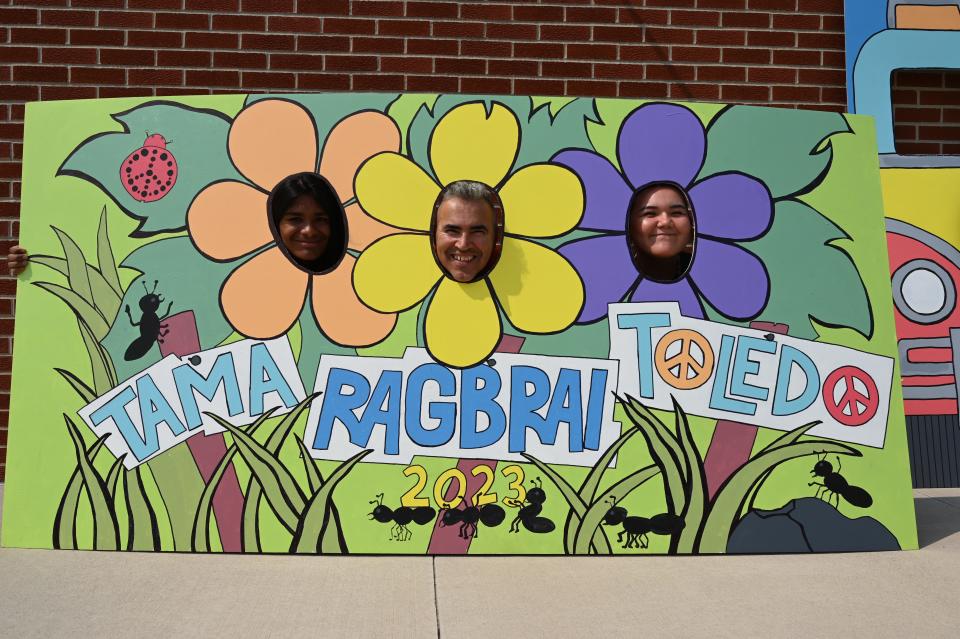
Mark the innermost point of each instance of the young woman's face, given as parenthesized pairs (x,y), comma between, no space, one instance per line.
(660,223)
(305,228)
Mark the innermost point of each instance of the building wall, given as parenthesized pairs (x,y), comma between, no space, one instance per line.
(775,52)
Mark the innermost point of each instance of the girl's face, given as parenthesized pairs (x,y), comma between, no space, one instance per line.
(660,223)
(305,228)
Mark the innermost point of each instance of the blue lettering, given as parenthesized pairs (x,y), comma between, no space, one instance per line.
(644,325)
(523,406)
(476,399)
(154,410)
(718,398)
(446,412)
(743,366)
(384,408)
(598,387)
(566,406)
(265,378)
(189,380)
(339,405)
(783,406)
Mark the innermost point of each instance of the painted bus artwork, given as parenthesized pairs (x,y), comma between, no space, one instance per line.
(184,383)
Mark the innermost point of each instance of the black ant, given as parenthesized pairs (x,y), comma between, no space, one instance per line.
(529,515)
(834,484)
(151,326)
(401,517)
(490,515)
(636,528)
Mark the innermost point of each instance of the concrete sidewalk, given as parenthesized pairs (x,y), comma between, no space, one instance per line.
(81,594)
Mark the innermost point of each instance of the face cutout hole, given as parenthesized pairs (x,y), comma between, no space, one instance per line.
(308,222)
(661,231)
(466,230)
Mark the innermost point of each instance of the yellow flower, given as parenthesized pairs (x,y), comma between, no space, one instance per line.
(263,297)
(537,288)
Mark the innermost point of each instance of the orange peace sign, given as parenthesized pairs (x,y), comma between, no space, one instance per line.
(684,370)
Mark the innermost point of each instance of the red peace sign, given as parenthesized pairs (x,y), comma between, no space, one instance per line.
(853,408)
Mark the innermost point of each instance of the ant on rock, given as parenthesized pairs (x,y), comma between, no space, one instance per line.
(529,515)
(636,528)
(401,517)
(490,515)
(151,326)
(835,484)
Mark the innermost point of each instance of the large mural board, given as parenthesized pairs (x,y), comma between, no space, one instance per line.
(180,384)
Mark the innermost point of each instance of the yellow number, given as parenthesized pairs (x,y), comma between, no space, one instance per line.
(410,497)
(481,498)
(516,484)
(439,488)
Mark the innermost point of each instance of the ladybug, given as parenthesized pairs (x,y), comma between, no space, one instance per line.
(151,171)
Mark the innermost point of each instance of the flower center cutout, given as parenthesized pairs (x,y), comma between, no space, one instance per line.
(308,222)
(661,231)
(467,230)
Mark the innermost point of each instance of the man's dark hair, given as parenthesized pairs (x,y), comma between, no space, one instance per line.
(314,185)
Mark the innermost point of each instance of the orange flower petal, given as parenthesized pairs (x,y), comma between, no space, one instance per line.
(263,297)
(364,230)
(341,315)
(351,142)
(272,139)
(229,219)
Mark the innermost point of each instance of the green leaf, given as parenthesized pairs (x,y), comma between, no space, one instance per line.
(184,277)
(80,307)
(104,298)
(101,366)
(64,522)
(112,476)
(200,540)
(590,524)
(106,260)
(662,445)
(197,138)
(76,266)
(144,533)
(314,478)
(732,496)
(311,535)
(696,489)
(86,393)
(106,534)
(280,488)
(787,150)
(811,277)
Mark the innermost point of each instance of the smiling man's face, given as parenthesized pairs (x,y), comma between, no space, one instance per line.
(464,237)
(660,223)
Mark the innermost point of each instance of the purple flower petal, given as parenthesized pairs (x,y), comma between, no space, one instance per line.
(733,280)
(606,193)
(661,142)
(679,291)
(732,206)
(605,267)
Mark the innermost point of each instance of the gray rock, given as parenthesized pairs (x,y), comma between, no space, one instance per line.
(808,525)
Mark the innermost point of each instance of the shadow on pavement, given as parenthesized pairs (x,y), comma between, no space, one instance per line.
(937,518)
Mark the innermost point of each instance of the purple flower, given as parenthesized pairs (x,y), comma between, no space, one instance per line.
(667,142)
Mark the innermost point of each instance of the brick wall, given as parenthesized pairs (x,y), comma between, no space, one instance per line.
(926,114)
(781,52)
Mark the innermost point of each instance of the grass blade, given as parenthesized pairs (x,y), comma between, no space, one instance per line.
(86,393)
(314,478)
(81,308)
(76,267)
(105,299)
(594,515)
(696,486)
(106,534)
(313,528)
(65,537)
(101,366)
(113,475)
(664,450)
(144,532)
(576,504)
(732,495)
(105,258)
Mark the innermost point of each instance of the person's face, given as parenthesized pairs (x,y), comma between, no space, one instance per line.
(305,228)
(660,223)
(465,237)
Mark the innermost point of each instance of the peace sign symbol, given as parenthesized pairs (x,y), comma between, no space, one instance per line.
(853,407)
(683,370)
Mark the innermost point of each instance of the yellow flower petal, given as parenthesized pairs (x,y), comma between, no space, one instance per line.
(394,190)
(538,289)
(542,200)
(469,145)
(463,325)
(229,219)
(272,139)
(263,297)
(396,272)
(341,315)
(350,143)
(363,230)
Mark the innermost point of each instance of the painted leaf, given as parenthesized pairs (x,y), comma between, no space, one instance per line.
(64,528)
(105,299)
(594,516)
(106,535)
(105,260)
(788,159)
(195,137)
(812,276)
(144,533)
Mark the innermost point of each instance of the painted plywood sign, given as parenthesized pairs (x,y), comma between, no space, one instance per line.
(383,324)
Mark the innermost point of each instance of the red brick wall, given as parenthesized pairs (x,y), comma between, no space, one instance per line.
(781,52)
(926,113)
